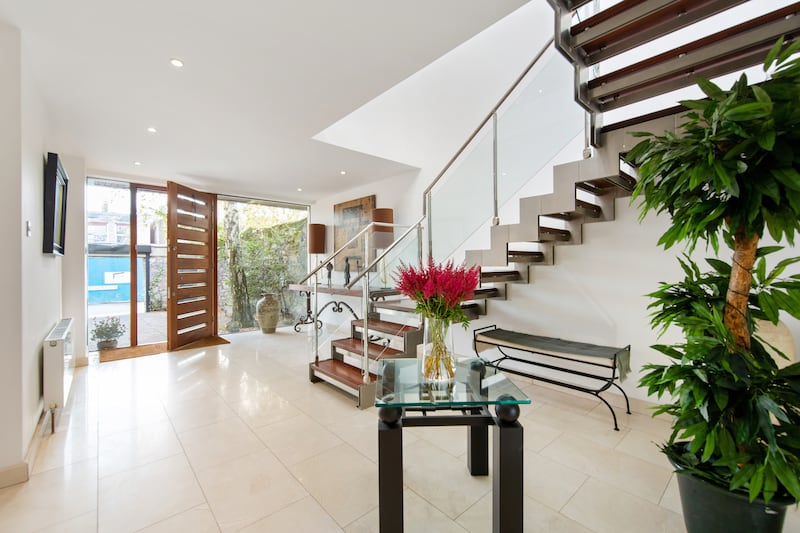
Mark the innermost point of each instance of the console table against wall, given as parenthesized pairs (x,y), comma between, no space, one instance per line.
(337,306)
(404,399)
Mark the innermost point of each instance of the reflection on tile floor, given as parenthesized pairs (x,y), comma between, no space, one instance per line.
(235,438)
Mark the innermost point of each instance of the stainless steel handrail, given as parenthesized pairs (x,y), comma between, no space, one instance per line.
(386,251)
(337,252)
(492,115)
(485,120)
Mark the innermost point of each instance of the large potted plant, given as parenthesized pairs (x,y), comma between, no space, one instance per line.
(728,175)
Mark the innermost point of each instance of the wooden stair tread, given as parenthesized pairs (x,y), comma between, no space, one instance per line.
(374,351)
(383,292)
(554,234)
(471,310)
(384,326)
(525,256)
(483,293)
(500,275)
(632,23)
(342,372)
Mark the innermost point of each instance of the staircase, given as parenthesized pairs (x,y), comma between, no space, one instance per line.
(585,190)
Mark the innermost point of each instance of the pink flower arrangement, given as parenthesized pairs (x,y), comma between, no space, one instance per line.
(439,289)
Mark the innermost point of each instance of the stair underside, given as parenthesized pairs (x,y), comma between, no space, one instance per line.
(631,24)
(341,372)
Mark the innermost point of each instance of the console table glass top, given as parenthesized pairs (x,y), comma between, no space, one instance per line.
(400,384)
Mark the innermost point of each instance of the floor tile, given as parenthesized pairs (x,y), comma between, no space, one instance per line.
(128,449)
(550,482)
(418,515)
(262,408)
(607,509)
(65,447)
(624,471)
(342,480)
(49,498)
(297,438)
(136,498)
(85,523)
(536,518)
(303,515)
(198,412)
(442,479)
(247,489)
(196,520)
(219,442)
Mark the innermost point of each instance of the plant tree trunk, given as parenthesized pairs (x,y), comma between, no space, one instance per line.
(240,311)
(744,257)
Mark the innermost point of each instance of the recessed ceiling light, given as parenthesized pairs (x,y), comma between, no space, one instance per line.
(151,129)
(299,189)
(175,62)
(137,163)
(342,172)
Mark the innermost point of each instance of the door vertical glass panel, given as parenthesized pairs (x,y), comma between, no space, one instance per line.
(108,263)
(151,266)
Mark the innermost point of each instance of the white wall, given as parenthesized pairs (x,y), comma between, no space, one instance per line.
(31,280)
(41,273)
(11,448)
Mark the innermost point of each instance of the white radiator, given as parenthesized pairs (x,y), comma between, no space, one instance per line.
(59,365)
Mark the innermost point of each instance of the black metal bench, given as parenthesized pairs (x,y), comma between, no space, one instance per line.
(604,364)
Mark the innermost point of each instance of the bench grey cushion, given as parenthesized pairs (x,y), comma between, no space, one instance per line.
(559,347)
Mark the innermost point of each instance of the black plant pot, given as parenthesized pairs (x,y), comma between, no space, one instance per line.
(708,508)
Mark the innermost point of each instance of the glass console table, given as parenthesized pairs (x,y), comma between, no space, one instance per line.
(404,399)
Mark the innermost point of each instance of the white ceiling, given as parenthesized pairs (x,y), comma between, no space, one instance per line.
(262,77)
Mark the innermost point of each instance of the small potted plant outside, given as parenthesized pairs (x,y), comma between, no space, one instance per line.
(730,174)
(106,331)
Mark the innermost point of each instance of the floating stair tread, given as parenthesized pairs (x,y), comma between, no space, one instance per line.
(632,23)
(726,51)
(486,292)
(374,351)
(554,234)
(342,372)
(383,292)
(525,256)
(384,326)
(471,310)
(500,275)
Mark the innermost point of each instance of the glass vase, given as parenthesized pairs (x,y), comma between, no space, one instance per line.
(438,363)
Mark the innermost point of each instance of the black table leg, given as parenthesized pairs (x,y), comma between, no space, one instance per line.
(390,470)
(478,450)
(507,487)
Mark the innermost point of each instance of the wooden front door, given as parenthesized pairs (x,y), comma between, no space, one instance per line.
(191,265)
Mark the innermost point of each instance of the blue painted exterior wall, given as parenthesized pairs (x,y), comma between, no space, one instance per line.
(103,290)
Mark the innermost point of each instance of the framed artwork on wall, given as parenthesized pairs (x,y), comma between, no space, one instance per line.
(348,219)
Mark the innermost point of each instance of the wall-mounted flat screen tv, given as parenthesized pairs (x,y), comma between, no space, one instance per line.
(55,205)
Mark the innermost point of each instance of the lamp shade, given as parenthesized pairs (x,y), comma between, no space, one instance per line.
(382,235)
(316,238)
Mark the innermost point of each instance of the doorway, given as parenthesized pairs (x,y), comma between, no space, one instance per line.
(126,228)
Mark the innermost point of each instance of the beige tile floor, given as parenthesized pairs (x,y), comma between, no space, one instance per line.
(235,438)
